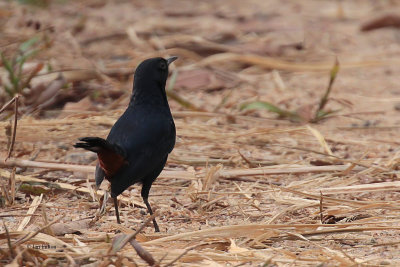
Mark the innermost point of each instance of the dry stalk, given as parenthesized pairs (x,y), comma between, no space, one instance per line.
(321,216)
(15,101)
(71,261)
(14,134)
(249,162)
(324,154)
(341,230)
(12,186)
(384,186)
(171,263)
(34,205)
(48,230)
(18,215)
(82,168)
(10,246)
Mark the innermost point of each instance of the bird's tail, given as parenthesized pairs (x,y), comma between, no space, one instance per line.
(111,156)
(94,144)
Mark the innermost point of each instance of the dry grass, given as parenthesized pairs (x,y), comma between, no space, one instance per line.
(240,188)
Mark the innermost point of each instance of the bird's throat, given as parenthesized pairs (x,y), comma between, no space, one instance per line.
(155,97)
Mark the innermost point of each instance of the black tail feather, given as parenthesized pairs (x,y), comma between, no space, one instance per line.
(97,145)
(94,144)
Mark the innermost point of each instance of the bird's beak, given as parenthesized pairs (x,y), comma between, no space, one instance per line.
(171,59)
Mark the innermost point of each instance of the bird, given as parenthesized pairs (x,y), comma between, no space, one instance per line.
(137,147)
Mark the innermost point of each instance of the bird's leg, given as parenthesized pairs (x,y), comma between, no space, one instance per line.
(146,201)
(116,209)
(145,196)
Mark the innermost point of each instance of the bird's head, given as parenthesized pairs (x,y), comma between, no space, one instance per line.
(153,69)
(151,76)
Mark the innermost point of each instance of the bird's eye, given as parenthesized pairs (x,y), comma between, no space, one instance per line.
(163,65)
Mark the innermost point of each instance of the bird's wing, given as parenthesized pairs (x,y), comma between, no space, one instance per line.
(147,136)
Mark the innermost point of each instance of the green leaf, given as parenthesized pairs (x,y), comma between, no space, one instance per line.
(6,63)
(324,114)
(34,189)
(13,79)
(270,107)
(325,97)
(22,58)
(21,64)
(27,44)
(49,67)
(335,70)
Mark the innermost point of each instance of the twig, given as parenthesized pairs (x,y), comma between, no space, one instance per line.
(251,164)
(246,262)
(183,254)
(12,186)
(17,215)
(46,165)
(10,246)
(127,238)
(15,127)
(337,231)
(383,186)
(321,207)
(212,202)
(15,101)
(287,170)
(162,258)
(7,104)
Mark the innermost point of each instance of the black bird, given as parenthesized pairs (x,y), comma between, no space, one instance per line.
(138,144)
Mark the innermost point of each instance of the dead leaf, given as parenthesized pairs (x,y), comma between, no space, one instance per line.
(319,162)
(202,79)
(34,189)
(143,254)
(385,21)
(306,112)
(83,105)
(48,95)
(73,227)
